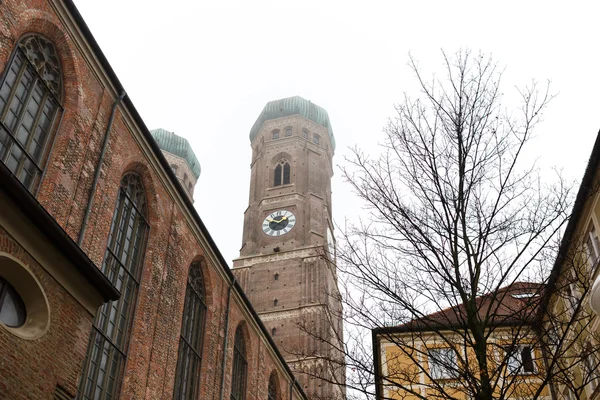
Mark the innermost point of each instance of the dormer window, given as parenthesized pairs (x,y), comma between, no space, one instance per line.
(316,139)
(276,134)
(288,131)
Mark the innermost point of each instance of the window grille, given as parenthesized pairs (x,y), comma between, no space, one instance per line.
(30,94)
(282,173)
(187,377)
(107,349)
(240,367)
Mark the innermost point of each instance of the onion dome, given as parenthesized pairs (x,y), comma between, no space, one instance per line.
(292,106)
(174,144)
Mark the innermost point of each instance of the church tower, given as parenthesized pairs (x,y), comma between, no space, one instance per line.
(288,241)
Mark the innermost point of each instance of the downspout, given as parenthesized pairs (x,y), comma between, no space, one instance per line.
(292,383)
(99,168)
(222,396)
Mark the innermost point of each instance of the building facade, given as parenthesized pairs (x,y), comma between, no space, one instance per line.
(287,259)
(434,357)
(110,284)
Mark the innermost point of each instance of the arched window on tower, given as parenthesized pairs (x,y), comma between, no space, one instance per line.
(282,173)
(30,103)
(189,360)
(273,392)
(240,367)
(123,260)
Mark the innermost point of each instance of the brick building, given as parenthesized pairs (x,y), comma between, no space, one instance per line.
(110,284)
(287,243)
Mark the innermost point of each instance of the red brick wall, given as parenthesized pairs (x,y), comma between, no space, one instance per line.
(172,245)
(31,369)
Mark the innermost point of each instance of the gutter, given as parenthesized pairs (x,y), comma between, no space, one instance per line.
(55,234)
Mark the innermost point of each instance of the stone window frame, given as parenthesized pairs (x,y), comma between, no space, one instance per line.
(275,134)
(282,173)
(31,92)
(122,265)
(193,323)
(26,284)
(288,131)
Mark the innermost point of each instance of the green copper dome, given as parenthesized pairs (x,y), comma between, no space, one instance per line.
(171,143)
(291,106)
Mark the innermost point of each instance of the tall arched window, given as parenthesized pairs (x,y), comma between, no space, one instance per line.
(282,173)
(187,376)
(273,393)
(107,349)
(240,367)
(30,95)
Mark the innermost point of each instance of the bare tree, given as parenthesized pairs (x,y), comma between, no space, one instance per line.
(458,220)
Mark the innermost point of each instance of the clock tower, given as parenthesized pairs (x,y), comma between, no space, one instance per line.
(287,260)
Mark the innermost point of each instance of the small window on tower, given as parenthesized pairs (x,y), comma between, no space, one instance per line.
(305,133)
(275,302)
(316,139)
(174,168)
(288,131)
(276,276)
(276,134)
(282,173)
(273,331)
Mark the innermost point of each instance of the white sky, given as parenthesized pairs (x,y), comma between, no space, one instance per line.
(205,69)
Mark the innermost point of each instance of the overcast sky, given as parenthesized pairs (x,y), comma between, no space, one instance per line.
(205,69)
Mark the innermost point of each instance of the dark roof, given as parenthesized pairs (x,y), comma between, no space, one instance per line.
(513,304)
(55,234)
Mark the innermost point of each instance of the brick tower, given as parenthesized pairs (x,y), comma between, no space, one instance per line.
(287,241)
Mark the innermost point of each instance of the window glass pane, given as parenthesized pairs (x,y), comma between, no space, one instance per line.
(122,265)
(286,173)
(277,180)
(12,308)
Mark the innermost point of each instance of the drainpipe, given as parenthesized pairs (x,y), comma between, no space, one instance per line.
(99,167)
(292,383)
(225,340)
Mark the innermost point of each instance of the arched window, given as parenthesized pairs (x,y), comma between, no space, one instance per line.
(282,173)
(273,393)
(187,376)
(288,131)
(305,133)
(30,96)
(276,134)
(316,139)
(174,168)
(107,349)
(240,367)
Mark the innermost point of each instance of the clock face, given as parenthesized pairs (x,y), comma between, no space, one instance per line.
(279,223)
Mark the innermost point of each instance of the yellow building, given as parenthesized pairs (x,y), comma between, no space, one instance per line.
(433,357)
(572,301)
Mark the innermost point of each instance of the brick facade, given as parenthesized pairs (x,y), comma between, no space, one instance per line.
(176,238)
